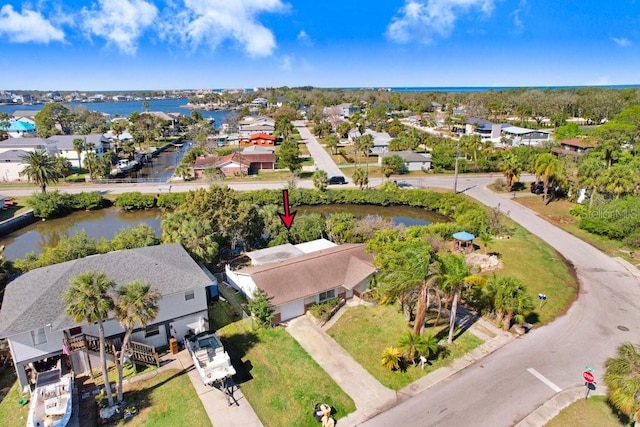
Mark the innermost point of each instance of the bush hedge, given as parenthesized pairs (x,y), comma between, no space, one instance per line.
(54,203)
(135,200)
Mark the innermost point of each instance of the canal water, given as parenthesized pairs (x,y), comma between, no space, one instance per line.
(161,167)
(106,222)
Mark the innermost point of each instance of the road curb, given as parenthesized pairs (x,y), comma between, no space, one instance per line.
(552,407)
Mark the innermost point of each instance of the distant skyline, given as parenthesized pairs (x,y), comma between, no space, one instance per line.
(205,44)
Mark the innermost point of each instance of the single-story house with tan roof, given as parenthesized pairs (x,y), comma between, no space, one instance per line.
(574,146)
(298,282)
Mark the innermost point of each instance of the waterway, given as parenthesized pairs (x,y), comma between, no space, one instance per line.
(125,108)
(106,222)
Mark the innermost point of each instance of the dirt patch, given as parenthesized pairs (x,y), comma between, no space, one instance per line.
(88,408)
(484,262)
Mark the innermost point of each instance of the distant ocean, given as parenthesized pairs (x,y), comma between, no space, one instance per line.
(125,108)
(495,88)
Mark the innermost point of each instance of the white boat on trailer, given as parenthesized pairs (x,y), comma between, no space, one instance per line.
(210,359)
(51,400)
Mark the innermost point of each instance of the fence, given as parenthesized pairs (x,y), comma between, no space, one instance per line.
(232,296)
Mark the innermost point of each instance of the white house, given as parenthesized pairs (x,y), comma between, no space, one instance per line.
(301,279)
(64,146)
(523,136)
(33,318)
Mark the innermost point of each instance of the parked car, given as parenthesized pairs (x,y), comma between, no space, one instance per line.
(337,180)
(537,187)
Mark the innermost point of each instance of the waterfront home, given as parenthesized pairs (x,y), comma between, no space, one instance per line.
(295,279)
(96,143)
(236,163)
(33,319)
(19,128)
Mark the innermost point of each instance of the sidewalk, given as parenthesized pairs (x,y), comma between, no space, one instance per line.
(371,397)
(214,401)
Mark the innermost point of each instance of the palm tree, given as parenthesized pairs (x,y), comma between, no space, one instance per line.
(40,168)
(391,358)
(510,300)
(412,269)
(332,143)
(454,272)
(79,146)
(88,300)
(622,377)
(412,345)
(183,171)
(137,304)
(620,179)
(365,144)
(549,168)
(590,172)
(360,177)
(511,168)
(320,179)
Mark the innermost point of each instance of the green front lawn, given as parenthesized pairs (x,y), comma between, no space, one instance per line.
(366,331)
(280,380)
(11,413)
(167,399)
(540,268)
(594,412)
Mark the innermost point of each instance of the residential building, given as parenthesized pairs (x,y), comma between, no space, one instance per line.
(64,146)
(19,129)
(236,163)
(573,147)
(33,319)
(260,139)
(294,280)
(523,136)
(412,161)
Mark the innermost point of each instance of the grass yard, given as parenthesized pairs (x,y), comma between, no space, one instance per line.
(167,399)
(541,269)
(557,213)
(11,413)
(594,412)
(280,380)
(365,331)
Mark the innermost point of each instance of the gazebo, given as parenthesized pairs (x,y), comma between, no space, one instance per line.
(463,241)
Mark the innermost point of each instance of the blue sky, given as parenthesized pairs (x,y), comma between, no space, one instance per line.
(192,44)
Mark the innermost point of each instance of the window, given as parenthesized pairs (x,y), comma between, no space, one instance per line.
(327,295)
(152,331)
(38,336)
(189,295)
(75,331)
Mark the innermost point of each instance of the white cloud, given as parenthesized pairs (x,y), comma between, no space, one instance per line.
(304,38)
(119,22)
(621,41)
(28,26)
(212,22)
(286,64)
(425,20)
(517,20)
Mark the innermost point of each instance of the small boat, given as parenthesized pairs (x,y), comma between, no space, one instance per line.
(209,357)
(51,400)
(124,166)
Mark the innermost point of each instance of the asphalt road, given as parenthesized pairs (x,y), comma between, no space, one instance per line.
(512,382)
(320,156)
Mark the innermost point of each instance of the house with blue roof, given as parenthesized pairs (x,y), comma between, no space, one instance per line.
(19,129)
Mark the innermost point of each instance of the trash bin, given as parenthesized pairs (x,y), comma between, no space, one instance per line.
(173,346)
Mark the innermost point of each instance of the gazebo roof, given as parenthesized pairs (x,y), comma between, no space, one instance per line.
(463,236)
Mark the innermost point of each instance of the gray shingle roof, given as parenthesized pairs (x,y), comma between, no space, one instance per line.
(65,142)
(307,275)
(34,299)
(13,156)
(409,156)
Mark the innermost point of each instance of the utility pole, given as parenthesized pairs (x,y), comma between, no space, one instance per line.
(455,171)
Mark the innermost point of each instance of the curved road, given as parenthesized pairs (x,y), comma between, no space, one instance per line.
(512,382)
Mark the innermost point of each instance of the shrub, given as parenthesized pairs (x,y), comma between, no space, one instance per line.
(170,200)
(134,201)
(260,307)
(579,211)
(49,205)
(391,358)
(323,310)
(88,201)
(500,184)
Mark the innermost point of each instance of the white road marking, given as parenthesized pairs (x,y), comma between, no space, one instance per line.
(544,379)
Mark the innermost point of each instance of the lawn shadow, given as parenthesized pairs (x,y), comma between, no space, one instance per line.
(238,345)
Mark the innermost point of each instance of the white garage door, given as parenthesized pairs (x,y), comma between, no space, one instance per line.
(291,310)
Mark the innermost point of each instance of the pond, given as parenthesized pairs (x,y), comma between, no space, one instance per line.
(107,222)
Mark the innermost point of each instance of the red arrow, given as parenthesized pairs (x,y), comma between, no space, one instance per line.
(287,217)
